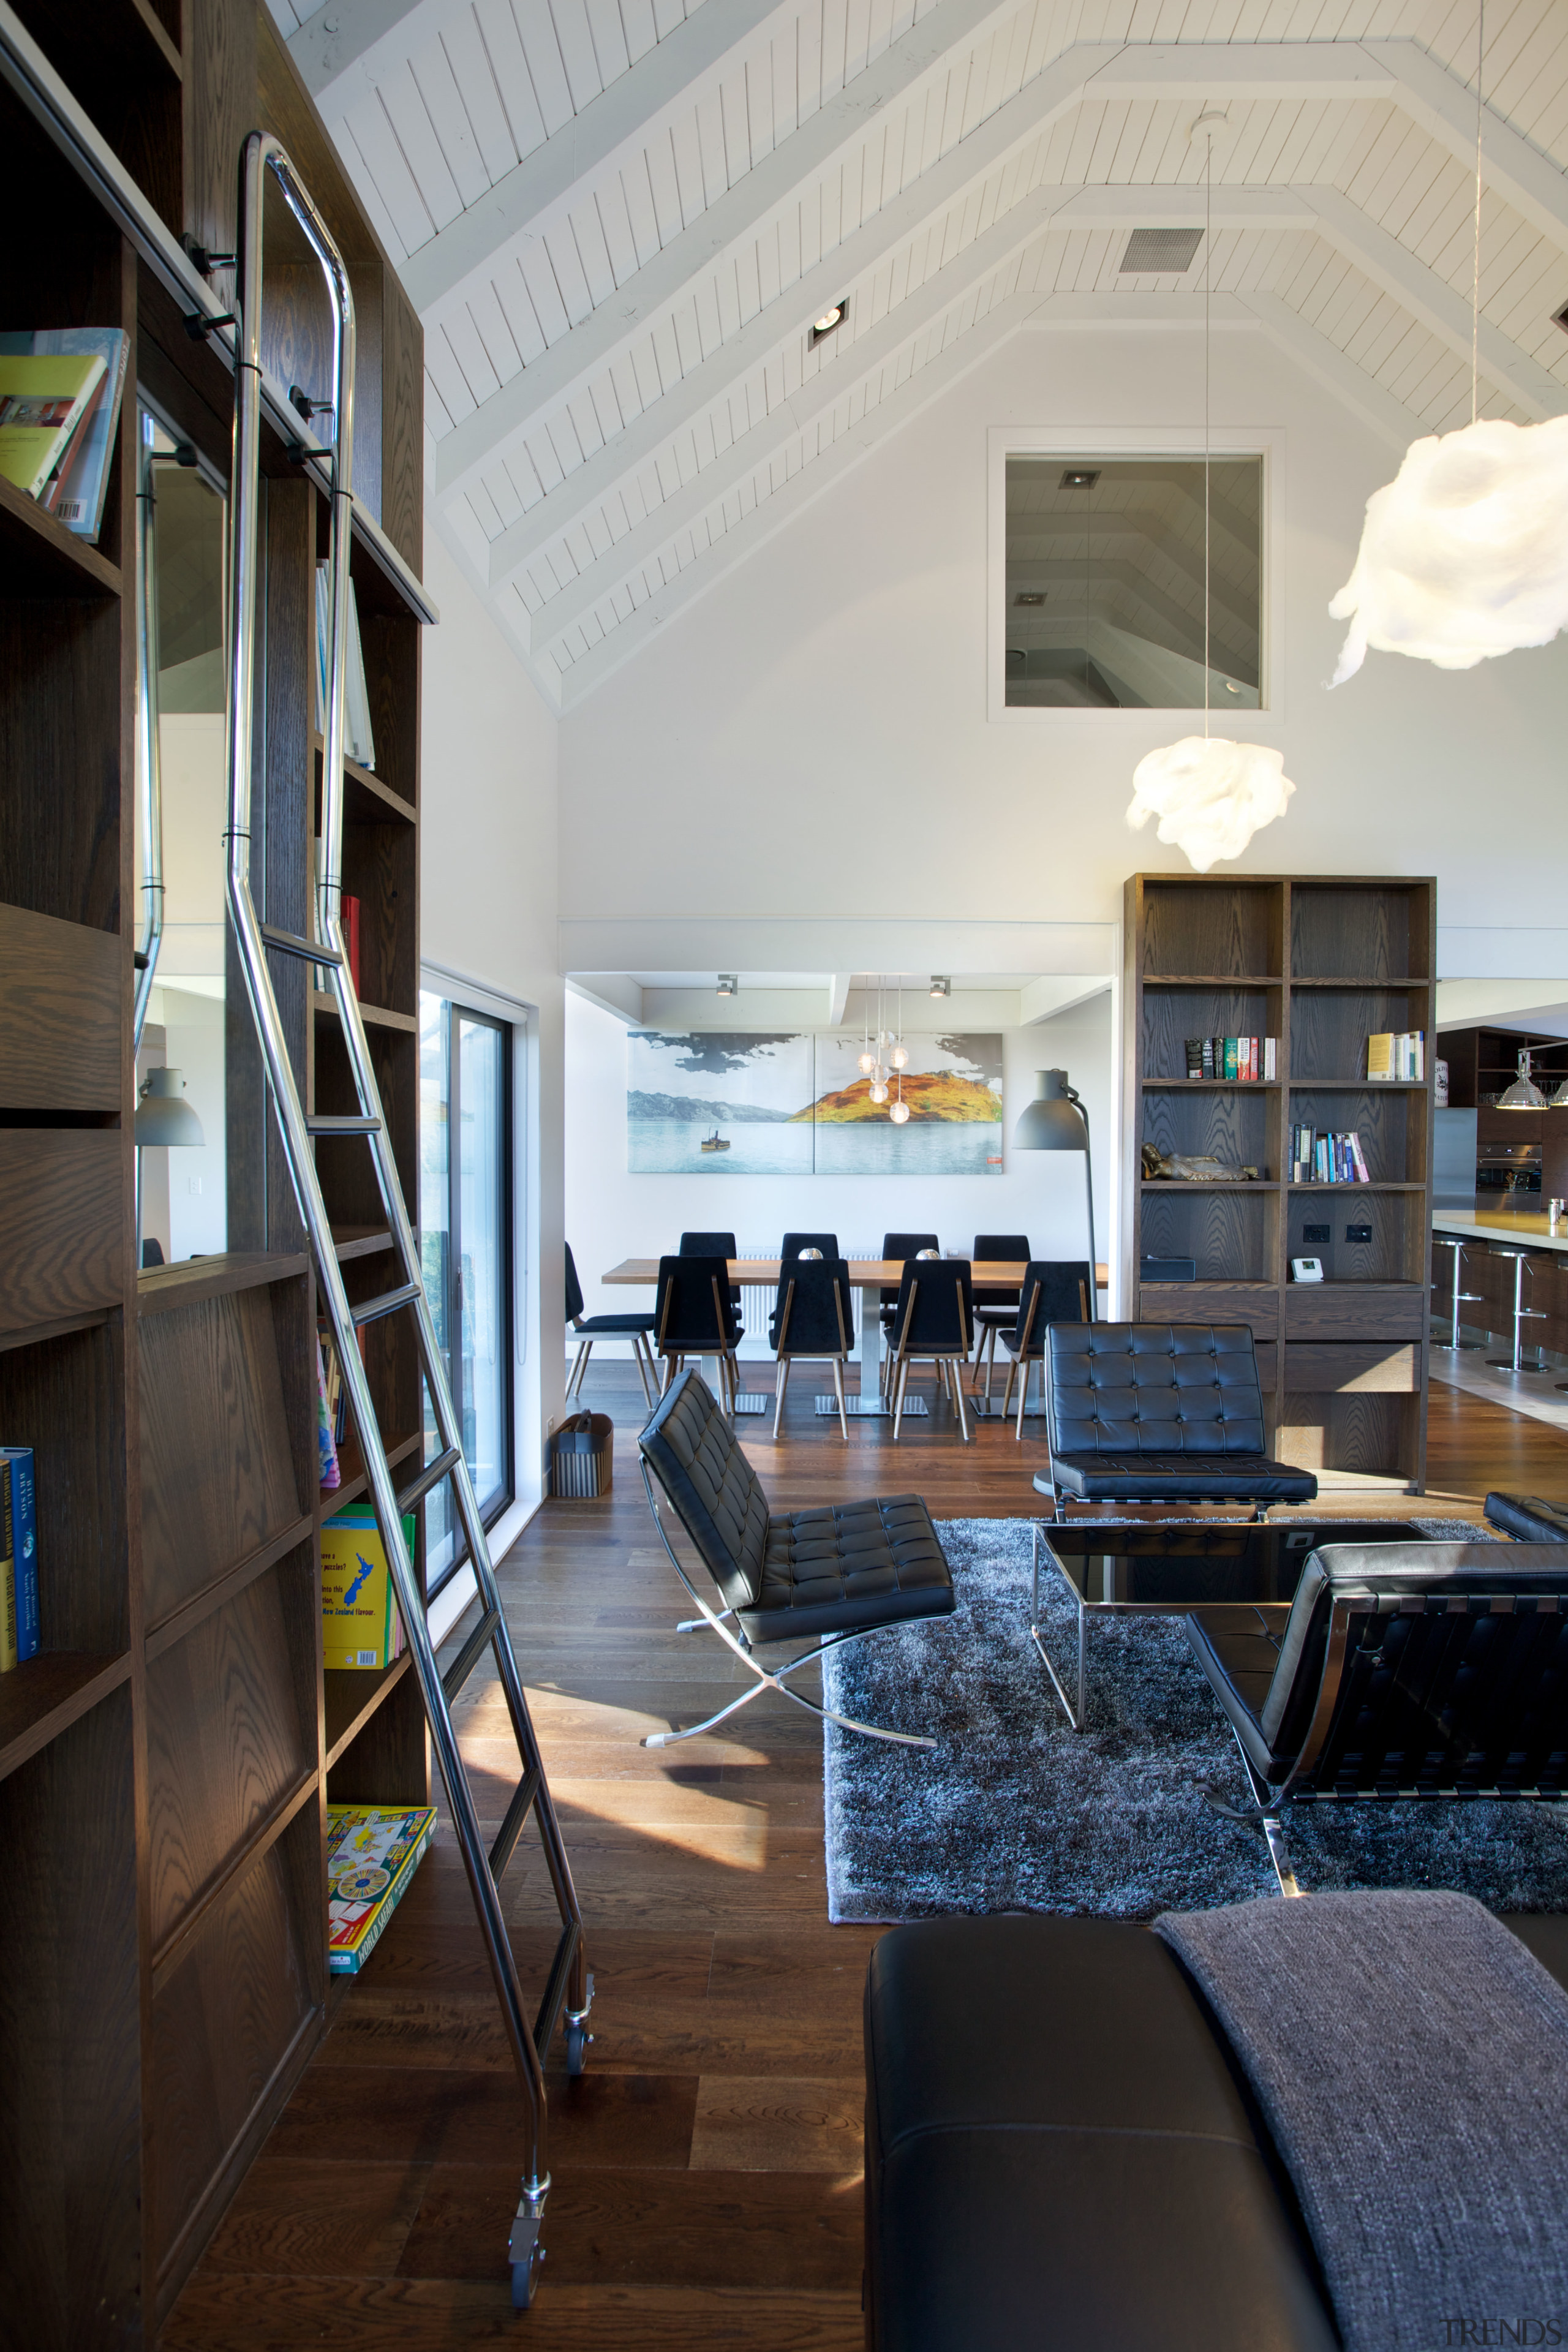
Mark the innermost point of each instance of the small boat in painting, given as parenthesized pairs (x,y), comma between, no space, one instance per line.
(714,1142)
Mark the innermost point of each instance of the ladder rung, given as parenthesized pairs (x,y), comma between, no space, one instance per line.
(431,1475)
(555,1990)
(371,1311)
(511,1830)
(290,944)
(468,1656)
(328,1126)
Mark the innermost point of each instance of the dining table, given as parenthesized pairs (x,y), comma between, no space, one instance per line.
(986,1274)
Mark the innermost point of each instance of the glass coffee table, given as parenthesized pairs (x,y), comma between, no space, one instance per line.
(1173,1567)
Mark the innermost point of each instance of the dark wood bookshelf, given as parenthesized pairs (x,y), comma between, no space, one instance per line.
(1318,963)
(166,1761)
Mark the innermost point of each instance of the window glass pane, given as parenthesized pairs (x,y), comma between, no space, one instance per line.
(434,1241)
(1105,582)
(481,1097)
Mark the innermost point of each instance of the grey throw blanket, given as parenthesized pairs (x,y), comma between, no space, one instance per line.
(1411,2059)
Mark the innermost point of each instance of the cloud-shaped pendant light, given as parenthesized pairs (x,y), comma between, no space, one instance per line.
(1465,553)
(1210,795)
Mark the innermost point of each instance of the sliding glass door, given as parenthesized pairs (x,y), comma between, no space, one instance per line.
(465,1216)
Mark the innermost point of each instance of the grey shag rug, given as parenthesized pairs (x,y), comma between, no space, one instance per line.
(1015,1812)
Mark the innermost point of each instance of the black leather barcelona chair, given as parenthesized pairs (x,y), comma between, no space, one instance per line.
(1528,1517)
(1402,1671)
(825,1576)
(585,1329)
(1161,1413)
(1055,1290)
(813,1318)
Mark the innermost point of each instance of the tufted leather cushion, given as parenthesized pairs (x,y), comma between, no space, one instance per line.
(1181,1478)
(851,1566)
(801,1573)
(699,1463)
(1165,1412)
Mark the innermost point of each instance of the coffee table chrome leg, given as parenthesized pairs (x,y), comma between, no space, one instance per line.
(1056,1680)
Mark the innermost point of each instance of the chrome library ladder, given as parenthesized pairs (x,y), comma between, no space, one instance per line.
(568,1989)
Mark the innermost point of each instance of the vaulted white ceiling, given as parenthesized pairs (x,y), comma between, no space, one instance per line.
(619,217)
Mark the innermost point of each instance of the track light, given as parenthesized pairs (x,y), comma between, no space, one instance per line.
(941,985)
(729,984)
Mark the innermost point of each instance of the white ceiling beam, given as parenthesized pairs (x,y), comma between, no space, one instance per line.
(583,677)
(1432,300)
(837,997)
(1445,110)
(346,34)
(612,991)
(1350,383)
(1042,1000)
(735,219)
(536,193)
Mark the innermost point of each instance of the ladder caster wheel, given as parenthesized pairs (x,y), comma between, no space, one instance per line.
(578,2040)
(525,2279)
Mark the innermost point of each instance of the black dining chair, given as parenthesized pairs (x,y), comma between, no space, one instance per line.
(815,1317)
(587,1329)
(997,1307)
(714,1246)
(1055,1290)
(693,1316)
(934,1321)
(902,1246)
(796,1246)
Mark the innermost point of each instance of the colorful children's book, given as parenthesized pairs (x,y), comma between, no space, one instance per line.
(18,1515)
(371,1853)
(360,1622)
(76,491)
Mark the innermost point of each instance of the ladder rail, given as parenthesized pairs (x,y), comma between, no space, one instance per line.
(262,154)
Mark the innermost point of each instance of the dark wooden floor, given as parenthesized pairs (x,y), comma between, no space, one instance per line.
(707,2187)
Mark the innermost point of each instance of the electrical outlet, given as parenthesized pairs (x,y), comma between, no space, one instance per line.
(1317,1233)
(1358,1232)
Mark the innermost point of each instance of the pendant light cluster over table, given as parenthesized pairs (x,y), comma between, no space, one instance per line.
(886,1073)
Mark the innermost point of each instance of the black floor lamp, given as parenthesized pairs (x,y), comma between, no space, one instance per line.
(1056,1121)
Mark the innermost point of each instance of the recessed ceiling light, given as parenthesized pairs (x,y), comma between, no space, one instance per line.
(1160,252)
(729,984)
(1231,687)
(1080,478)
(1030,597)
(831,318)
(941,985)
(1559,317)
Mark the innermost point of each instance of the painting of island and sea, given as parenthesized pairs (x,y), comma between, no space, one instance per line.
(730,1103)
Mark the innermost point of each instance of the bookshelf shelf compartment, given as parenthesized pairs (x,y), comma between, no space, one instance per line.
(353,1696)
(39,557)
(374,1016)
(39,1698)
(352,1463)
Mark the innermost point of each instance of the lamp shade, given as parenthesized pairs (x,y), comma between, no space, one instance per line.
(1053,1121)
(163,1115)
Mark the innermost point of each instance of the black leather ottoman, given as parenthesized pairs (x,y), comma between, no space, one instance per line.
(1059,2152)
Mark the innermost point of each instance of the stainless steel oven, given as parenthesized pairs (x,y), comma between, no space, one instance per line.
(1507,1169)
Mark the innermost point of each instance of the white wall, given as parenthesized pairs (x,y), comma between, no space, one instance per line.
(811,737)
(487,916)
(612,1215)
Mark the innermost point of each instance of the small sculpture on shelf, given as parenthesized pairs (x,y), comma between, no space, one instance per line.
(1192,1167)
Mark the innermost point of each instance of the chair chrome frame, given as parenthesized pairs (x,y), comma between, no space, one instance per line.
(642,1356)
(765,1681)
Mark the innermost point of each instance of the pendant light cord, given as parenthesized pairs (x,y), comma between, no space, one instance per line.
(1476,276)
(1206,502)
(1208,213)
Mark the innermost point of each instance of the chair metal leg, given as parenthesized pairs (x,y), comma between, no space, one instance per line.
(839,1392)
(1023,1399)
(897,1399)
(1007,1391)
(958,1393)
(642,1357)
(990,1356)
(781,1383)
(579,1366)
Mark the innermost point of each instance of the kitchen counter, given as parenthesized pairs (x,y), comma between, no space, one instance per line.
(1519,1227)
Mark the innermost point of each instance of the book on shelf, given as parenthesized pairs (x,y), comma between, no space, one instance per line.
(373,1851)
(359,742)
(77,490)
(43,399)
(18,1557)
(1317,1157)
(1247,1060)
(1397,1055)
(360,1622)
(334,1388)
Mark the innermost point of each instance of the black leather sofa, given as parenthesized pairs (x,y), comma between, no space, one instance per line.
(1061,2152)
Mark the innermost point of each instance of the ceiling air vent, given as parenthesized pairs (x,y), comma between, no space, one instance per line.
(1154,252)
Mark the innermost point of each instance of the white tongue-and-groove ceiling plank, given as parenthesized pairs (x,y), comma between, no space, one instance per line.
(831,136)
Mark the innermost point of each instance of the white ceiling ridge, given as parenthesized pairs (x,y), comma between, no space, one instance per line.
(723,227)
(1116,572)
(1329,210)
(540,189)
(1195,70)
(1326,210)
(1295,335)
(339,48)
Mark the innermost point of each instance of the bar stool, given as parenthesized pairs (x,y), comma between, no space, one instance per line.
(1521,1315)
(1454,1345)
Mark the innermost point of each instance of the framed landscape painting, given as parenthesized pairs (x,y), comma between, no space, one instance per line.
(732,1103)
